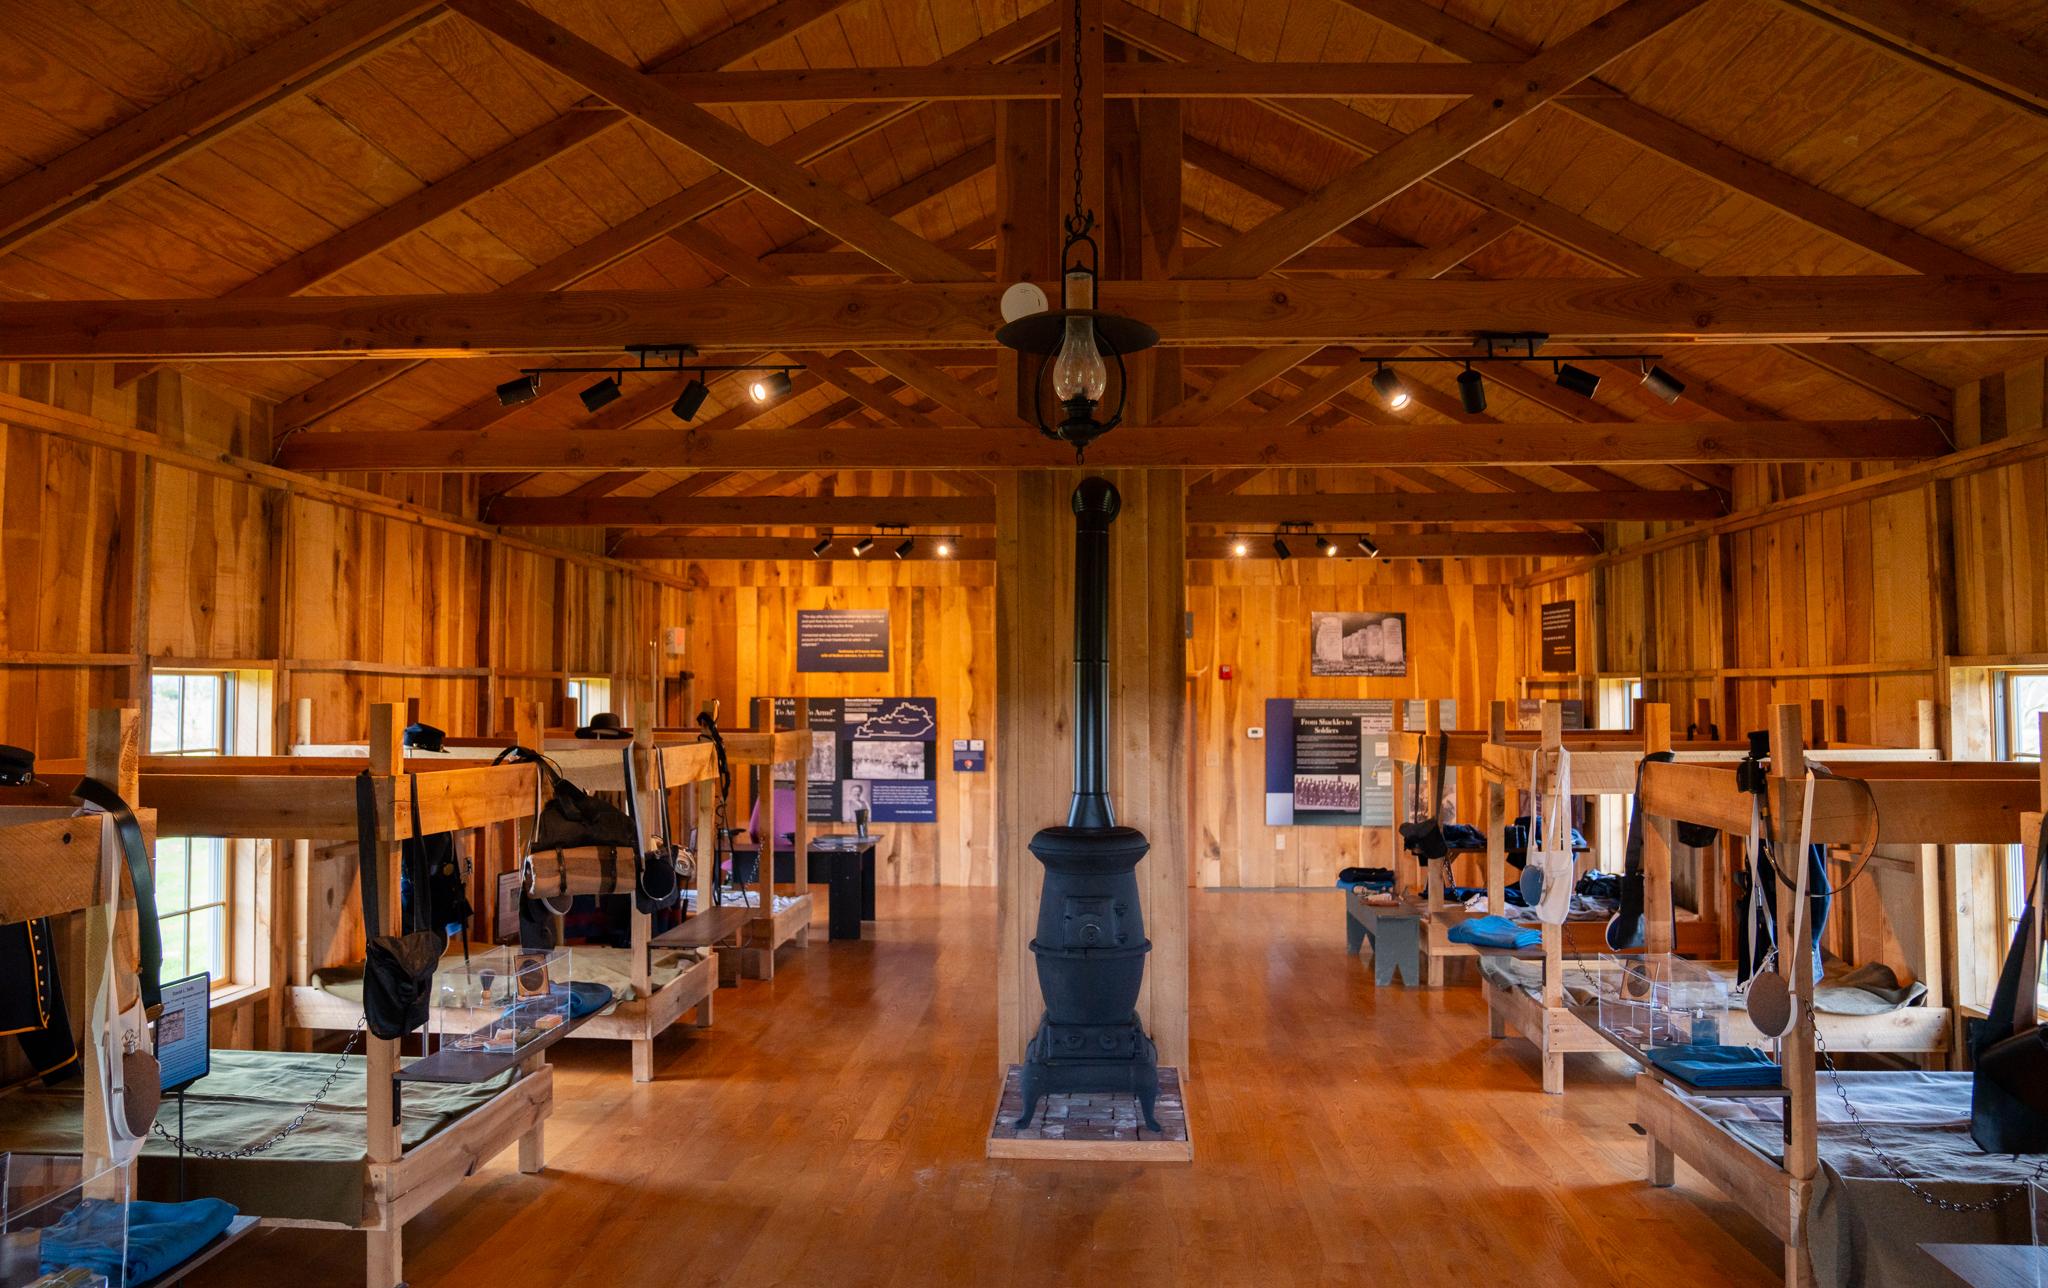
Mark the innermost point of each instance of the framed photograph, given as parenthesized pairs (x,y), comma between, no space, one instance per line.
(1358,644)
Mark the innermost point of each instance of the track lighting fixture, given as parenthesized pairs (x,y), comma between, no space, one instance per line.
(944,549)
(769,387)
(1662,383)
(1240,548)
(818,551)
(1577,380)
(1280,548)
(1367,547)
(1391,389)
(602,394)
(907,548)
(690,401)
(1472,390)
(863,545)
(1326,547)
(523,390)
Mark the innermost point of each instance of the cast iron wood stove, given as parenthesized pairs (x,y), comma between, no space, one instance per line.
(1091,941)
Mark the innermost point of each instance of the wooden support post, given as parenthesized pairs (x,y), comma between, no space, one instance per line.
(1932,909)
(383,1141)
(1431,792)
(642,923)
(1496,818)
(297,925)
(800,859)
(1405,875)
(1660,927)
(1795,955)
(533,1144)
(1553,936)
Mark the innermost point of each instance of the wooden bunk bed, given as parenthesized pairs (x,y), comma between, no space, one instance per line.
(1772,1174)
(426,1125)
(1405,748)
(666,979)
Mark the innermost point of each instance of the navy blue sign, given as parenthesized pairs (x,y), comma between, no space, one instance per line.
(842,639)
(876,754)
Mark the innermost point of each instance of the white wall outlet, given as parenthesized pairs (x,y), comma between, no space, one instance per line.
(1279,840)
(1255,732)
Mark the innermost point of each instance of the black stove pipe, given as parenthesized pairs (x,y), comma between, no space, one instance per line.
(1096,504)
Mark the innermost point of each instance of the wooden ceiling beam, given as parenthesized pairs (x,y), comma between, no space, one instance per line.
(750,511)
(1573,232)
(797,549)
(1159,446)
(1351,509)
(1297,312)
(725,146)
(1936,37)
(1616,113)
(1421,545)
(1234,386)
(1271,189)
(813,141)
(194,117)
(1515,92)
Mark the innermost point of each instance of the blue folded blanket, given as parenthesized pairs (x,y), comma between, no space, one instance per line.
(1494,932)
(586,998)
(161,1237)
(1718,1067)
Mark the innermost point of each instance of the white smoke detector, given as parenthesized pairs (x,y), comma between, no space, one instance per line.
(1023,300)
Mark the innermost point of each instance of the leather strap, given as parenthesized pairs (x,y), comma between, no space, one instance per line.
(150,944)
(369,865)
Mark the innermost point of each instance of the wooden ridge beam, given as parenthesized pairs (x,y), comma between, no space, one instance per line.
(1614,112)
(1936,37)
(626,238)
(1297,311)
(720,144)
(196,116)
(1267,509)
(1164,446)
(748,511)
(800,548)
(1513,94)
(1572,231)
(1420,545)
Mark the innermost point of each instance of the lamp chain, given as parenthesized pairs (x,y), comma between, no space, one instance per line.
(1078,222)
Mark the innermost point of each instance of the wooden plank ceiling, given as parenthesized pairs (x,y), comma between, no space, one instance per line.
(189,149)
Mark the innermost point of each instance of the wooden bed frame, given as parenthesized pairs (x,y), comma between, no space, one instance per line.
(1918,804)
(1606,765)
(593,766)
(260,798)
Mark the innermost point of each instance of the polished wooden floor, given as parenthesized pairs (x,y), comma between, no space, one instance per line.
(829,1131)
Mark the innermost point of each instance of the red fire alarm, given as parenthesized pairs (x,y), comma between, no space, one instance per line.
(1225,672)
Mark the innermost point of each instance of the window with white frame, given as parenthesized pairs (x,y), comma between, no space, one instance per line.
(591,694)
(1615,702)
(191,713)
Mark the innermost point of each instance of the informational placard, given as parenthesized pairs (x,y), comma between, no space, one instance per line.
(970,756)
(1529,714)
(876,754)
(842,639)
(183,1053)
(1328,763)
(1559,628)
(1360,644)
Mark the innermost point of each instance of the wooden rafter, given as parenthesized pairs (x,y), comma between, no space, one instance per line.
(1425,545)
(570,510)
(1295,312)
(195,117)
(1514,93)
(1935,36)
(1352,509)
(1173,447)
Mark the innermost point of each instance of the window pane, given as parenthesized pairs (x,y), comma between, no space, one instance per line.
(175,955)
(172,886)
(202,713)
(163,712)
(209,872)
(2029,698)
(208,951)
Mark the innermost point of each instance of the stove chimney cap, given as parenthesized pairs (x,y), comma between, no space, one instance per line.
(1097,496)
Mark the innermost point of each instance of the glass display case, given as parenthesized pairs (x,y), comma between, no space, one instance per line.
(1657,1000)
(62,1225)
(501,999)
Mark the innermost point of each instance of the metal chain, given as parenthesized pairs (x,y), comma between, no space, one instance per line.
(1891,1165)
(1077,223)
(269,1142)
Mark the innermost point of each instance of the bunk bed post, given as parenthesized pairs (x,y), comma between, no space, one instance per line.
(1796,1049)
(800,858)
(382,1138)
(1431,791)
(1932,965)
(1496,818)
(1399,860)
(642,923)
(1553,936)
(1660,932)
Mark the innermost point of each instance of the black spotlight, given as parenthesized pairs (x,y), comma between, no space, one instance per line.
(1472,391)
(1578,380)
(863,545)
(818,551)
(769,386)
(908,545)
(1326,547)
(1390,388)
(1280,548)
(603,393)
(1367,547)
(690,400)
(523,390)
(1663,384)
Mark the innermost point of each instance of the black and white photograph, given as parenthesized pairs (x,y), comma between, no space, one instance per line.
(1358,644)
(903,760)
(854,796)
(1336,792)
(824,754)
